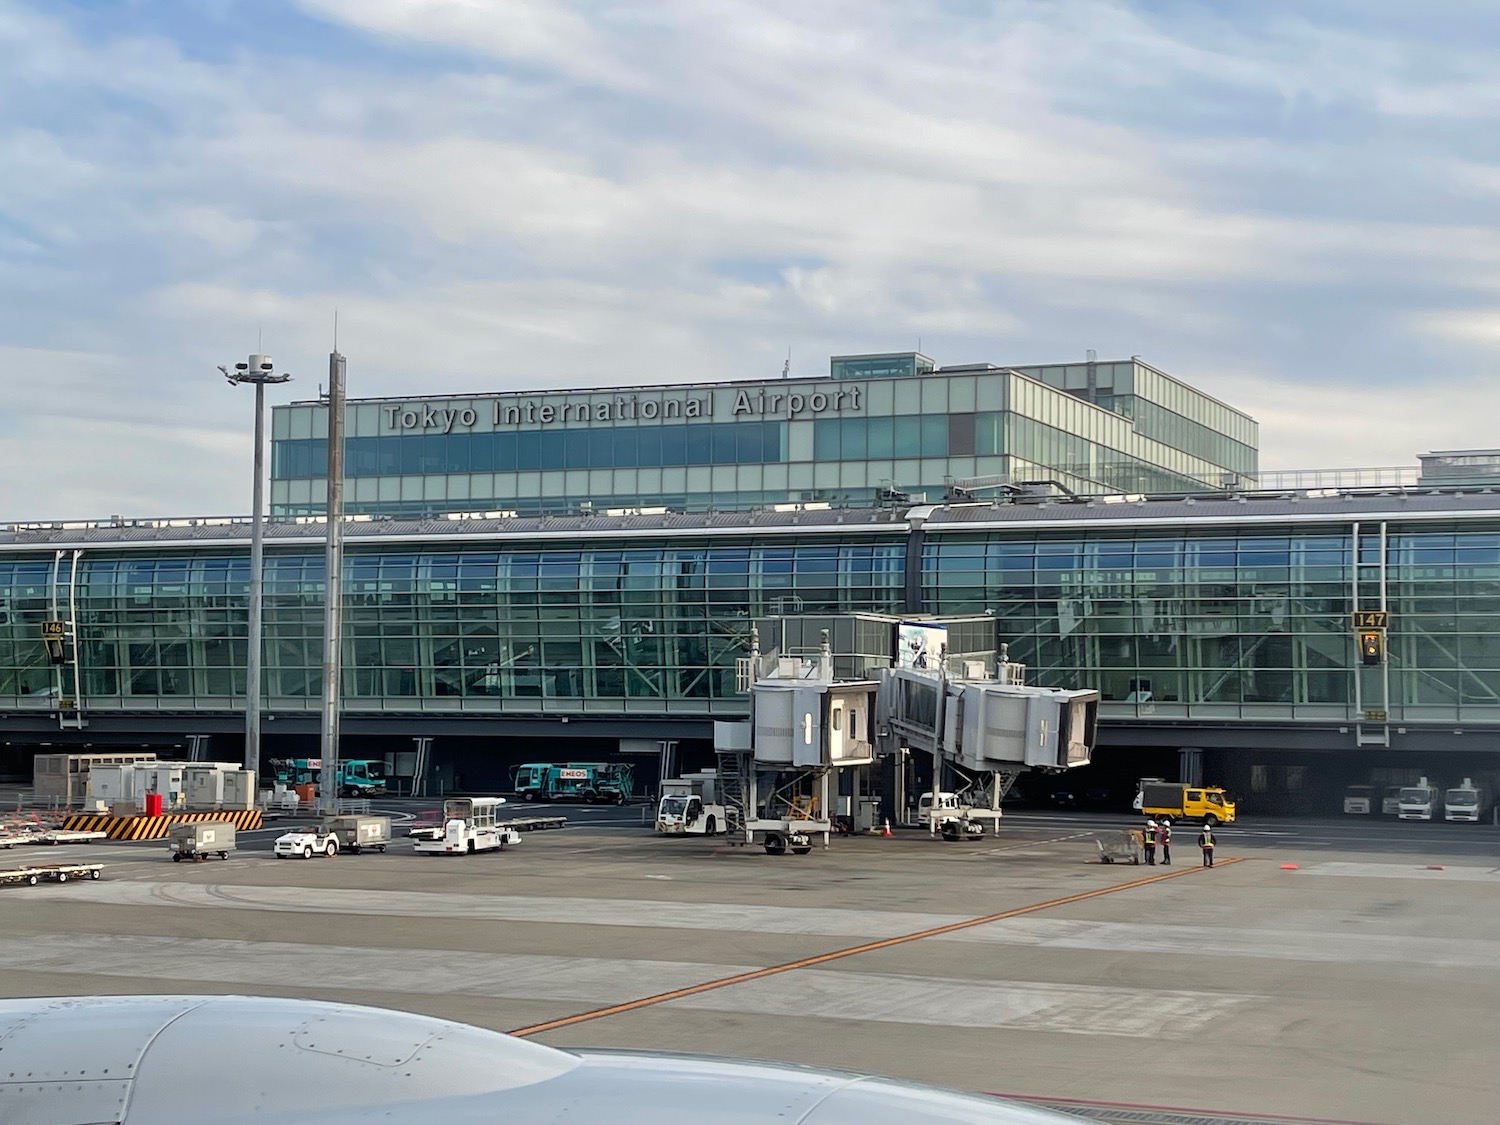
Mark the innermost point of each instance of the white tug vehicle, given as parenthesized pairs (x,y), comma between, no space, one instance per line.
(469,825)
(306,843)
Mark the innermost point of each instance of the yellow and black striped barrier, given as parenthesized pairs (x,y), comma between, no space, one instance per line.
(156,827)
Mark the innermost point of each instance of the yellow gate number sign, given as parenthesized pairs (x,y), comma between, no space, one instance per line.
(1368,619)
(53,633)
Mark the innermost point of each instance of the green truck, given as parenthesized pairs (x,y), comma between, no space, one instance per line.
(358,777)
(603,783)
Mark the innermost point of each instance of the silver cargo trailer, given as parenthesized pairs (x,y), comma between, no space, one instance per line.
(200,839)
(357,832)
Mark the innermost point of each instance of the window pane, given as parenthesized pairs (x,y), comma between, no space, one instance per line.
(528,451)
(826,439)
(854,444)
(908,438)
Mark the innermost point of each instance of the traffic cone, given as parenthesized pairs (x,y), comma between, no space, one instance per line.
(887,831)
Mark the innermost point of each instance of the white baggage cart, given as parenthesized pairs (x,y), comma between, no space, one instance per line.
(199,839)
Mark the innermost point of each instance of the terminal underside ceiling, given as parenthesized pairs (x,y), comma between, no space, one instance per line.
(1195,627)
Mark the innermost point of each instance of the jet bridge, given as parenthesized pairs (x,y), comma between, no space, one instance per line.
(982,733)
(775,770)
(982,730)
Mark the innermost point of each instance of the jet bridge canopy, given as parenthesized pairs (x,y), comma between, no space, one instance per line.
(811,723)
(987,724)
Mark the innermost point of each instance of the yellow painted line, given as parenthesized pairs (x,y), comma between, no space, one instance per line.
(851,951)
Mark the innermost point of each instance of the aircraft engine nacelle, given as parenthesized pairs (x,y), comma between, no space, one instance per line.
(234,1060)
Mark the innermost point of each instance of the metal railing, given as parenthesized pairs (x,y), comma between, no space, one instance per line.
(1294,480)
(1265,480)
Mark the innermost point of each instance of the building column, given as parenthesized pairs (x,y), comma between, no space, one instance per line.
(1190,765)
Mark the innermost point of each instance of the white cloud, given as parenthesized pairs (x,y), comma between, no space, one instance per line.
(530,193)
(88,468)
(1353,424)
(535,31)
(1466,326)
(218,229)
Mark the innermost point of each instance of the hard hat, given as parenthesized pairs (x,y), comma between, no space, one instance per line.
(1150,824)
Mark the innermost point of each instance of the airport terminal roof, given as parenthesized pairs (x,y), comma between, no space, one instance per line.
(1130,514)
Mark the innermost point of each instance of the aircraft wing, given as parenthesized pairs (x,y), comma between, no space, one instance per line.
(234,1060)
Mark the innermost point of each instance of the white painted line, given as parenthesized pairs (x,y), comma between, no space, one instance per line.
(299,965)
(1038,843)
(803,993)
(1240,941)
(1448,872)
(1236,940)
(518,908)
(1023,1006)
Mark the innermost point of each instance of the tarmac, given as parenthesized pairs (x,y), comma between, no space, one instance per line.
(1298,979)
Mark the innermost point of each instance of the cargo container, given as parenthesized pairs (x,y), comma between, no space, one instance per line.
(65,777)
(200,839)
(240,790)
(359,832)
(203,782)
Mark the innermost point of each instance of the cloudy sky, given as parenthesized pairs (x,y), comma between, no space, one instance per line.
(1290,203)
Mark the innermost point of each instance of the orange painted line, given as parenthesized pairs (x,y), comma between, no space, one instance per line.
(851,951)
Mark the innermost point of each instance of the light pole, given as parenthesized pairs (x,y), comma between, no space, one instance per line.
(333,601)
(259,370)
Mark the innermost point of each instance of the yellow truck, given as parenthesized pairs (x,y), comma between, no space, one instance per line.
(1186,802)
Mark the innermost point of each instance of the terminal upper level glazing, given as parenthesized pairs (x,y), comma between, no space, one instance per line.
(882,422)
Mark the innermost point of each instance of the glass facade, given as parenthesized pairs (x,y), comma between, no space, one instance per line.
(885,366)
(655,628)
(1161,408)
(1254,624)
(1204,623)
(882,421)
(722,443)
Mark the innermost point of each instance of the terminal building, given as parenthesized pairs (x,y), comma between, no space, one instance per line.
(881,425)
(1105,522)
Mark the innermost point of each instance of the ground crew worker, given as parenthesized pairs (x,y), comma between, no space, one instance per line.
(1206,842)
(1150,842)
(1164,840)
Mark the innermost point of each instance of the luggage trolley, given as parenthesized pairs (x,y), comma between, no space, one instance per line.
(32,874)
(1121,847)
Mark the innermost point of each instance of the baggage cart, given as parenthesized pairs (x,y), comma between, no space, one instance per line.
(357,832)
(534,823)
(33,873)
(68,836)
(1121,847)
(199,839)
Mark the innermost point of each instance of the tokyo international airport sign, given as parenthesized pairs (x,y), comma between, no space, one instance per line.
(724,404)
